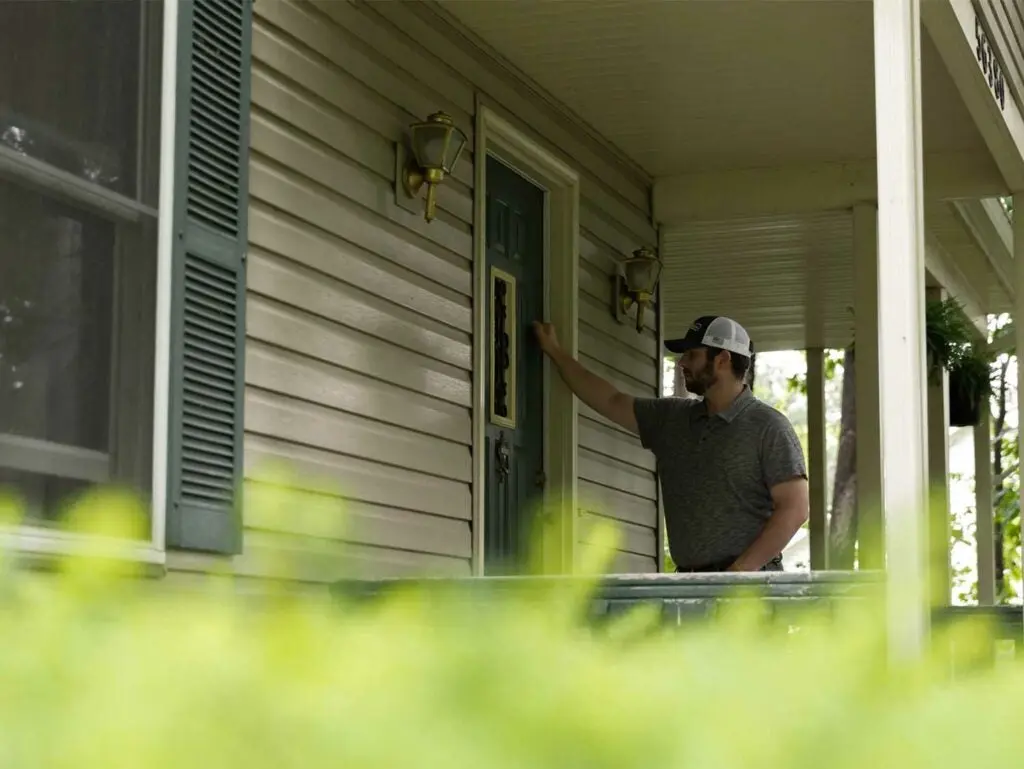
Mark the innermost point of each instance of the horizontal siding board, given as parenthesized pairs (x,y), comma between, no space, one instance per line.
(624,384)
(613,353)
(594,252)
(619,505)
(601,318)
(290,104)
(320,339)
(276,370)
(346,136)
(639,540)
(284,236)
(625,563)
(332,212)
(617,445)
(597,285)
(405,55)
(630,387)
(322,516)
(357,309)
(597,225)
(308,70)
(309,559)
(300,422)
(595,195)
(358,479)
(346,51)
(618,475)
(334,172)
(421,23)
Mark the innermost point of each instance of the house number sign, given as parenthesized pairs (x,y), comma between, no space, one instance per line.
(989,64)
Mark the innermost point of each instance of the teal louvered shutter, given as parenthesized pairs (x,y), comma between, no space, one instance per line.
(208,300)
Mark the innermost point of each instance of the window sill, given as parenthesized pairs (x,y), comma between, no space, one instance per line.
(44,545)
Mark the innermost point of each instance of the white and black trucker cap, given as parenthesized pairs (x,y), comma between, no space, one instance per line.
(714,331)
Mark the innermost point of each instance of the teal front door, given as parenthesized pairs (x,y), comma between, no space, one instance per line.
(515,374)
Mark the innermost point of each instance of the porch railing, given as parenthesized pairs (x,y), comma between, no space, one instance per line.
(684,598)
(678,597)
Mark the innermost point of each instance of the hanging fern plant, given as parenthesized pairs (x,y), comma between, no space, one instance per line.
(953,346)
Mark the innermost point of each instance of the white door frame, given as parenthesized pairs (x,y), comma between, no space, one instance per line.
(497,136)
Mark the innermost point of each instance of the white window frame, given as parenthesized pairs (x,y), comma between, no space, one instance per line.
(40,456)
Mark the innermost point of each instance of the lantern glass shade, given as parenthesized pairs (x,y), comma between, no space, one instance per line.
(642,272)
(437,143)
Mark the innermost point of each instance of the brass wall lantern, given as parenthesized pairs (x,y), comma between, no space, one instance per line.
(635,285)
(437,145)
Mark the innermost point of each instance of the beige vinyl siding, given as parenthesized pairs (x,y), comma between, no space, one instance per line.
(360,313)
(359,350)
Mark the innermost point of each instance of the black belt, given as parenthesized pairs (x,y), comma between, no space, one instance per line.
(775,564)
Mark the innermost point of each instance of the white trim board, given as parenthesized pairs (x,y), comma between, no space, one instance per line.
(497,136)
(812,187)
(950,23)
(54,543)
(164,258)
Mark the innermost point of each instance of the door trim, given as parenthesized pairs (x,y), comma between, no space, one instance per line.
(497,136)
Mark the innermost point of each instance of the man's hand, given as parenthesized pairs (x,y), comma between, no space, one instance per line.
(589,388)
(791,503)
(547,338)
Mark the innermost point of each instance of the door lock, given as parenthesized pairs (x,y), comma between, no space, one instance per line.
(503,455)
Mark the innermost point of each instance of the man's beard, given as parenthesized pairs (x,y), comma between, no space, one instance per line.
(699,382)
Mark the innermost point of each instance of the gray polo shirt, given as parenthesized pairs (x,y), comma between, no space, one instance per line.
(717,471)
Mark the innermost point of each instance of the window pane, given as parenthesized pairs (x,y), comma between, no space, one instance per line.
(69,86)
(40,498)
(56,299)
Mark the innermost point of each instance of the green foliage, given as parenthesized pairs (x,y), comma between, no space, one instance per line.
(952,345)
(104,668)
(833,366)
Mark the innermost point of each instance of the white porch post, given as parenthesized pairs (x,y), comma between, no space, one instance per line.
(817,464)
(1018,316)
(984,531)
(897,28)
(866,387)
(938,481)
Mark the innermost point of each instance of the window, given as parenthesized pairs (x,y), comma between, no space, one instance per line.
(79,151)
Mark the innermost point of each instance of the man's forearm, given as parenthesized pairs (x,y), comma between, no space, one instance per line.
(777,533)
(588,387)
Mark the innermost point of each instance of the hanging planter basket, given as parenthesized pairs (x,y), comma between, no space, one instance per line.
(964,403)
(951,346)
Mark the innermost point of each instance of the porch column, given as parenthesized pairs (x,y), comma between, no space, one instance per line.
(866,387)
(984,531)
(1018,316)
(938,480)
(897,52)
(817,462)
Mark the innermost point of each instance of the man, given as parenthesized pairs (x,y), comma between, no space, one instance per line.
(732,470)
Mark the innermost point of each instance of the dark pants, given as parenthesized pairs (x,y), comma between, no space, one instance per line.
(775,564)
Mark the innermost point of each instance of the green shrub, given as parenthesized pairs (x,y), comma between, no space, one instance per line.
(103,669)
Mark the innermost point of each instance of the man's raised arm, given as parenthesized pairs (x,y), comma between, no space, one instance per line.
(601,396)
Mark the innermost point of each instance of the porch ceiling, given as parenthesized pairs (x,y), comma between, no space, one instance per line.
(693,86)
(789,279)
(687,88)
